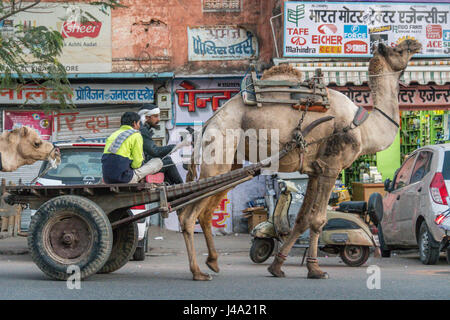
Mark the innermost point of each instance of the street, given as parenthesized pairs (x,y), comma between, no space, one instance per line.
(165,275)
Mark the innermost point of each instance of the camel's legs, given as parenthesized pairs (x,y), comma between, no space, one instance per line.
(317,221)
(187,224)
(300,226)
(205,219)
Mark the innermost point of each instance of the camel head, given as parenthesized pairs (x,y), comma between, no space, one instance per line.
(397,58)
(28,146)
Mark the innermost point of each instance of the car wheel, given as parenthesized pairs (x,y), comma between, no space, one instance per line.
(385,252)
(428,247)
(448,255)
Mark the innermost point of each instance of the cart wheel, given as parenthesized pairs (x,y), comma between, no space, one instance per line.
(354,256)
(66,231)
(124,242)
(261,249)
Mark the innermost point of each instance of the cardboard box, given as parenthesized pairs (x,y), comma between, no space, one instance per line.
(255,217)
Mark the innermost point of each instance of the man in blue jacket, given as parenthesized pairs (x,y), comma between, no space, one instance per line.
(123,154)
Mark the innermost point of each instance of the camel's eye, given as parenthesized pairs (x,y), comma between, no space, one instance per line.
(37,144)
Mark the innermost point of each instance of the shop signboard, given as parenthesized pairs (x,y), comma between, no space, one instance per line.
(84,93)
(197,99)
(352,29)
(38,120)
(411,97)
(221,43)
(87,45)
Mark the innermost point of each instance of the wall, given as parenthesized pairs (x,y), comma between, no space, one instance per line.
(157,30)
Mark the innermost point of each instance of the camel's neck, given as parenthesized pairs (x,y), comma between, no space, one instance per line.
(378,132)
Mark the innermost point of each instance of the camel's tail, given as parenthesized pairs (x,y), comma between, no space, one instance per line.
(192,169)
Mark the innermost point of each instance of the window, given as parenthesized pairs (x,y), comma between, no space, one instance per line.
(446,167)
(404,173)
(222,5)
(422,166)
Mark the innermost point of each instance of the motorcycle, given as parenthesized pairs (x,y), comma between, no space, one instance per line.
(348,231)
(443,221)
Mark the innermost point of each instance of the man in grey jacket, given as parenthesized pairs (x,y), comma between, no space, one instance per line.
(150,119)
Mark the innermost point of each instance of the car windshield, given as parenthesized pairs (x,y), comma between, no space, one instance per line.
(79,163)
(446,167)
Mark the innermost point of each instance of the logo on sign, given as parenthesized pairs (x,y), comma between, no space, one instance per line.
(434,31)
(327,29)
(446,36)
(297,14)
(355,31)
(355,47)
(330,49)
(298,41)
(89,29)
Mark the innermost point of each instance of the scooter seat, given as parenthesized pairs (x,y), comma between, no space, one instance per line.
(353,206)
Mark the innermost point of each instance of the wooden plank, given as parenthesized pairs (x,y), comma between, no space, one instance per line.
(257,95)
(275,83)
(292,90)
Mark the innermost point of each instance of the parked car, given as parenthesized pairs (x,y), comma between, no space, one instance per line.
(416,196)
(81,164)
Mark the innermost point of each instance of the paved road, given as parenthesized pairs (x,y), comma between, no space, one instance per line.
(165,275)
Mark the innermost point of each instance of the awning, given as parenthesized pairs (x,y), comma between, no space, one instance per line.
(341,73)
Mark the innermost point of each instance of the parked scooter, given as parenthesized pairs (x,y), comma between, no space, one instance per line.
(346,233)
(443,221)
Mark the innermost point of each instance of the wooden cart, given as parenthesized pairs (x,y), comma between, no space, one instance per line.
(90,226)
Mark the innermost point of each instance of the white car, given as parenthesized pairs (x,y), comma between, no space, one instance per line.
(81,164)
(413,201)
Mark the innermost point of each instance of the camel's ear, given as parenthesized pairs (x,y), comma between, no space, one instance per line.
(382,49)
(24,131)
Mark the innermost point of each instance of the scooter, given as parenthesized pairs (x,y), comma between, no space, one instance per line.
(347,232)
(443,221)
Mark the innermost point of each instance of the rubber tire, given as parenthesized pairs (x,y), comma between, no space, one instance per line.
(354,263)
(95,218)
(139,254)
(261,249)
(125,240)
(448,255)
(432,256)
(385,252)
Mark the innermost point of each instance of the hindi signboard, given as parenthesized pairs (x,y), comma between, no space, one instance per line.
(197,99)
(38,120)
(351,29)
(87,44)
(83,94)
(221,43)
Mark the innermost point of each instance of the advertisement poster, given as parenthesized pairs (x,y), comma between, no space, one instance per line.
(34,119)
(84,93)
(197,99)
(221,43)
(87,45)
(351,29)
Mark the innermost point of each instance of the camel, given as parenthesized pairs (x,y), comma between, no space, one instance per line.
(23,146)
(335,150)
